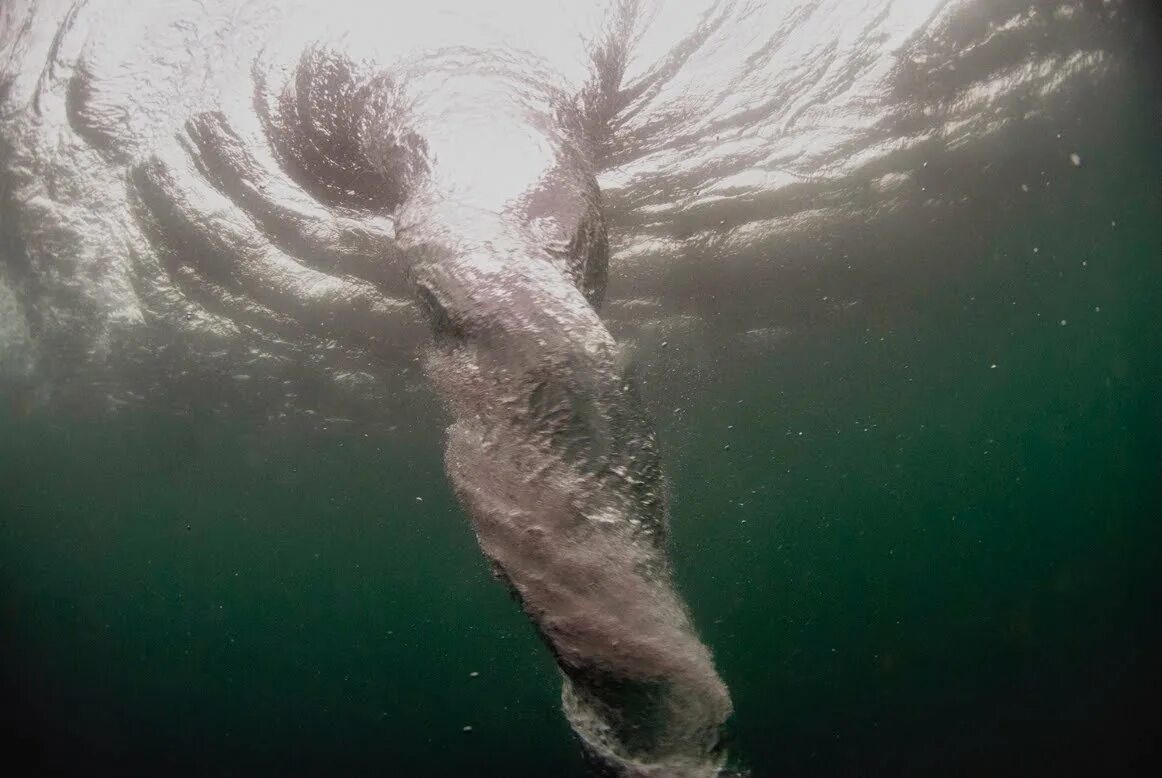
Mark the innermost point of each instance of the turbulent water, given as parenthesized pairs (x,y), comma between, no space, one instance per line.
(317,209)
(164,231)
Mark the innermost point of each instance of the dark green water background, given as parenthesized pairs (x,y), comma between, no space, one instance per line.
(908,562)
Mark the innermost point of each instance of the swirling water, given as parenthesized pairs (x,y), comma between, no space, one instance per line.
(885,272)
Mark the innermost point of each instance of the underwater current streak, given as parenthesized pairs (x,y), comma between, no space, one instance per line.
(549,451)
(556,464)
(558,470)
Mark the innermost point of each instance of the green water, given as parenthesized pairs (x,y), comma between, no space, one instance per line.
(908,561)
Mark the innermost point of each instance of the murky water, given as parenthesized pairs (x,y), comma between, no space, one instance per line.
(873,283)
